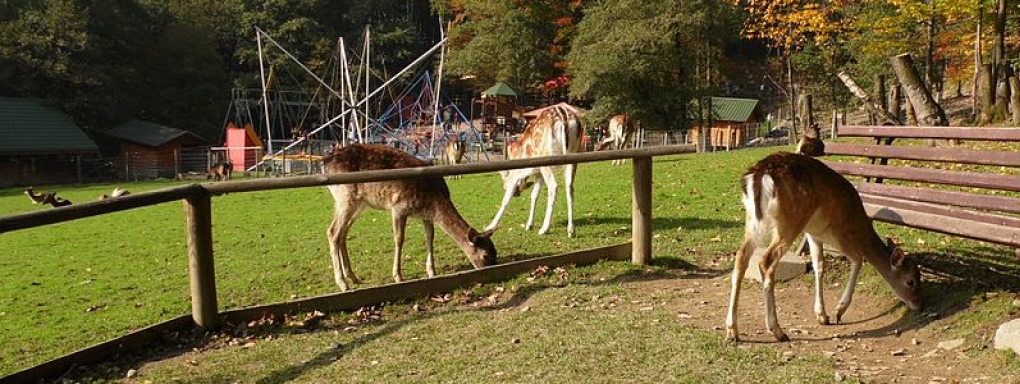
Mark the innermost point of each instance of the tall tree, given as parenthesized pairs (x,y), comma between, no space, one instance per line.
(639,57)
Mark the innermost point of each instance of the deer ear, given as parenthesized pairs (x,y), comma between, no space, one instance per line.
(896,255)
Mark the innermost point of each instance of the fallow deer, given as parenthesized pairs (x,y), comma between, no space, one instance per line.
(811,142)
(621,131)
(50,198)
(454,152)
(220,171)
(117,192)
(427,198)
(556,131)
(787,194)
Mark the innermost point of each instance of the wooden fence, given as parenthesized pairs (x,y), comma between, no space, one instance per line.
(198,211)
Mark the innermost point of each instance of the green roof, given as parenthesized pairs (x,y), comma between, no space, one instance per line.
(31,127)
(500,89)
(733,109)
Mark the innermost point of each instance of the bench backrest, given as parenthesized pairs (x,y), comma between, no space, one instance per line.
(951,170)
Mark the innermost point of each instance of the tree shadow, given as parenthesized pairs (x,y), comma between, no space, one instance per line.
(666,223)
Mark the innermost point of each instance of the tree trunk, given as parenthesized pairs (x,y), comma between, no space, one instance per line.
(974,106)
(986,92)
(928,112)
(806,117)
(1014,99)
(893,106)
(874,107)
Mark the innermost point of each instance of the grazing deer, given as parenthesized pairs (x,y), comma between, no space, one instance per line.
(427,198)
(117,192)
(787,194)
(220,171)
(50,198)
(454,153)
(621,131)
(556,131)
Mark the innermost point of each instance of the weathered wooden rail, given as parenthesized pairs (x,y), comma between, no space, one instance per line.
(198,211)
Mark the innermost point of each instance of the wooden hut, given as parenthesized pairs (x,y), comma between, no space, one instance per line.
(498,105)
(40,144)
(149,150)
(733,119)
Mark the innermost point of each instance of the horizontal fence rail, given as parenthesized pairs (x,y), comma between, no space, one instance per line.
(905,132)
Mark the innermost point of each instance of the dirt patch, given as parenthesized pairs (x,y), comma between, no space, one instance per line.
(879,340)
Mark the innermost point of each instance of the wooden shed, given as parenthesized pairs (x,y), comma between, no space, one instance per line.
(40,144)
(149,150)
(733,120)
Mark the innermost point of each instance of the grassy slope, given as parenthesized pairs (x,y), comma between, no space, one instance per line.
(74,284)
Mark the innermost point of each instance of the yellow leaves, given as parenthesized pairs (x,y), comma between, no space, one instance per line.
(789,23)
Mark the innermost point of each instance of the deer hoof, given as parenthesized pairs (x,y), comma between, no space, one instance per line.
(732,335)
(823,319)
(782,337)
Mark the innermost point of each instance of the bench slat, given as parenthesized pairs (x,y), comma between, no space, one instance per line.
(942,210)
(965,133)
(938,176)
(954,226)
(951,155)
(957,198)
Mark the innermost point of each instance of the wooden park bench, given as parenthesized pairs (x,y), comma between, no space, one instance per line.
(967,190)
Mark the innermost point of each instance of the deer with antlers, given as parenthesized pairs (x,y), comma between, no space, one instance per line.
(621,131)
(787,194)
(427,198)
(556,131)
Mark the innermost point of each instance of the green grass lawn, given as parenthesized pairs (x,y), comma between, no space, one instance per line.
(71,285)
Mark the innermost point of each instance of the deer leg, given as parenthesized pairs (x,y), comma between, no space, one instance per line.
(848,294)
(508,185)
(769,263)
(535,191)
(399,223)
(550,183)
(569,171)
(818,264)
(739,267)
(430,235)
(343,218)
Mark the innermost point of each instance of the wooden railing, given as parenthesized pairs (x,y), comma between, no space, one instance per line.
(198,211)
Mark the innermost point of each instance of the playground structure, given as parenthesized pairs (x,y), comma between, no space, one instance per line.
(284,129)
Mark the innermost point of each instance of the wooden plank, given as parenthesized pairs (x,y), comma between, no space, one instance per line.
(352,300)
(948,225)
(942,154)
(943,210)
(905,132)
(956,198)
(134,341)
(437,171)
(641,216)
(95,208)
(938,176)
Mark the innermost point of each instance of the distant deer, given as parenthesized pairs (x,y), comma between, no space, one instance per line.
(220,171)
(619,135)
(427,198)
(810,143)
(787,194)
(50,198)
(556,131)
(454,153)
(117,192)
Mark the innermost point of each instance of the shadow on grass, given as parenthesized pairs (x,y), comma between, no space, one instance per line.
(665,223)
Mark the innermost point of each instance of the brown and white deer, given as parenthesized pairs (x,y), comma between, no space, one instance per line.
(556,131)
(50,198)
(453,152)
(621,131)
(787,194)
(426,198)
(220,171)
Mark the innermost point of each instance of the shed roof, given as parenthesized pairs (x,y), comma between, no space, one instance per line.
(152,134)
(499,89)
(30,126)
(733,109)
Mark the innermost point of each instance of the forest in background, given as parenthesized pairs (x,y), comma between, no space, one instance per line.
(176,62)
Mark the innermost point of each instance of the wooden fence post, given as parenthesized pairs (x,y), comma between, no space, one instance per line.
(642,211)
(201,271)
